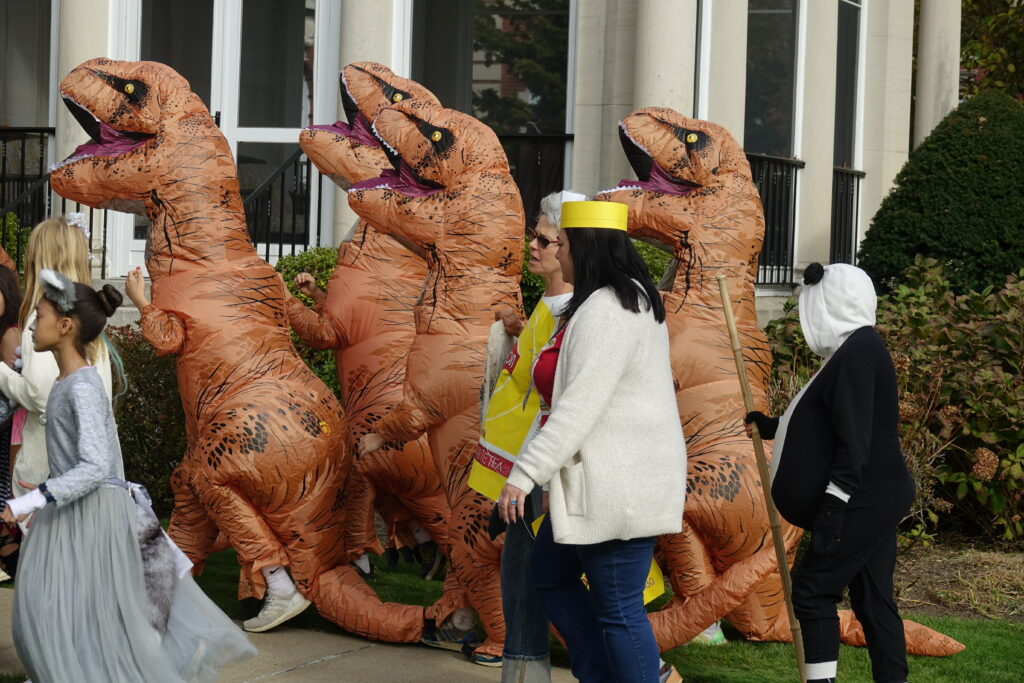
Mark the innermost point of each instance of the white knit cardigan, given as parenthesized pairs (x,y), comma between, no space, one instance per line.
(612,449)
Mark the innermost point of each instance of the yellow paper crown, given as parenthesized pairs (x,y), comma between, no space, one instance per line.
(610,215)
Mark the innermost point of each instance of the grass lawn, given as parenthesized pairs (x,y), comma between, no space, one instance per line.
(994,648)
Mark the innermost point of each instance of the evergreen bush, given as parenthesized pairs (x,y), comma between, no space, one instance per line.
(958,199)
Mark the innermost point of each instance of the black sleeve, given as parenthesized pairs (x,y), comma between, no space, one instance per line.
(851,407)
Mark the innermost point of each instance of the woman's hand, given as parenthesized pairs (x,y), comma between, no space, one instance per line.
(135,288)
(307,285)
(510,319)
(511,503)
(370,443)
(766,426)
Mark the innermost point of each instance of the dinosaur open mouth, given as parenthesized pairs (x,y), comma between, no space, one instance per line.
(401,178)
(358,130)
(106,141)
(650,176)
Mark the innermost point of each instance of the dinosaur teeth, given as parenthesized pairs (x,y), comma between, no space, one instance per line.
(70,160)
(384,142)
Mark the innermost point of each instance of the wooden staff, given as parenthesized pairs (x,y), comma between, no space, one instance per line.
(766,484)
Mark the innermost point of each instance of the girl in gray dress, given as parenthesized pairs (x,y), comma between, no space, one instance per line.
(93,610)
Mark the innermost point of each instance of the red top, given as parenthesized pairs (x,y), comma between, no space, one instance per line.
(544,369)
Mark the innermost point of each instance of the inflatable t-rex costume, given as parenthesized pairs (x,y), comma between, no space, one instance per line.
(695,197)
(451,196)
(367,318)
(267,450)
(7,262)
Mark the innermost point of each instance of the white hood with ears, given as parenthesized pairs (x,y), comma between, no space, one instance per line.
(831,310)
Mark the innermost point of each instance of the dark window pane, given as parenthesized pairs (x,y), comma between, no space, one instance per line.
(504,61)
(180,35)
(771,70)
(846,84)
(276,71)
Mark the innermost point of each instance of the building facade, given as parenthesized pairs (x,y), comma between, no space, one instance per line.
(819,93)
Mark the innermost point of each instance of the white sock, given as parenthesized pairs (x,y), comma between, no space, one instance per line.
(363,562)
(278,581)
(820,670)
(463,618)
(420,534)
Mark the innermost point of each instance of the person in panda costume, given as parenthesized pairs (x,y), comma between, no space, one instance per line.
(839,472)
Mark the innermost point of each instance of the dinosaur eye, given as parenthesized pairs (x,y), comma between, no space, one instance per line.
(436,136)
(397,97)
(691,138)
(129,88)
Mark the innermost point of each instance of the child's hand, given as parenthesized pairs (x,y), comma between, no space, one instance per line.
(7,516)
(135,288)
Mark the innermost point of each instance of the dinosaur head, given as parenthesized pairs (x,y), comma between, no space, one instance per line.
(136,114)
(693,196)
(446,167)
(675,155)
(348,151)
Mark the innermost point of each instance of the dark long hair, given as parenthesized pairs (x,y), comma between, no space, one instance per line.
(607,258)
(12,299)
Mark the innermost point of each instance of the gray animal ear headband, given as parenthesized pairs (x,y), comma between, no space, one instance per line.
(58,289)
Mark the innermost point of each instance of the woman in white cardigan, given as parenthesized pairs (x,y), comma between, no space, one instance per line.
(57,245)
(611,451)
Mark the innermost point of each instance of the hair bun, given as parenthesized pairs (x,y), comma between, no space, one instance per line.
(813,274)
(110,299)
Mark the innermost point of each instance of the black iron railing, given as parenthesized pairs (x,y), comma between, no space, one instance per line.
(845,205)
(279,210)
(37,203)
(537,163)
(776,178)
(24,156)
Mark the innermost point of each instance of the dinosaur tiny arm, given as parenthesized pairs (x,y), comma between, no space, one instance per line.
(406,422)
(312,327)
(164,331)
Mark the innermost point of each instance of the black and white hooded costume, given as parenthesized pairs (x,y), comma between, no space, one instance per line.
(839,472)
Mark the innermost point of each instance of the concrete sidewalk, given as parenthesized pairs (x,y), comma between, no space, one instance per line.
(288,655)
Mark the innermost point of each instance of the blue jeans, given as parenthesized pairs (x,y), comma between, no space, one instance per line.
(526,654)
(605,628)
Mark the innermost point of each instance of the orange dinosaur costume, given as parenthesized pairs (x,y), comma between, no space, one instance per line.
(451,197)
(367,317)
(695,197)
(7,262)
(268,450)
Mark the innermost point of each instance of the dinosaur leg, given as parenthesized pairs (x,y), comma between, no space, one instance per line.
(191,528)
(475,557)
(686,562)
(358,512)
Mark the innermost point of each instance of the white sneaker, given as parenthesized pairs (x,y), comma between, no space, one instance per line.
(276,610)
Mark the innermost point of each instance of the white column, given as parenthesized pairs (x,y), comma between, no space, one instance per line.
(888,64)
(366,36)
(727,67)
(666,32)
(938,64)
(815,129)
(82,35)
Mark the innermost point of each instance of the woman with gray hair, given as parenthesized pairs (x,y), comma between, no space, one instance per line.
(513,417)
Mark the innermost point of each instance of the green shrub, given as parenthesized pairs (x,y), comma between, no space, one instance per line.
(960,365)
(318,262)
(958,200)
(150,421)
(15,237)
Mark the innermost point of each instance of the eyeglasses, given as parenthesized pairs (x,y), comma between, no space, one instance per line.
(542,241)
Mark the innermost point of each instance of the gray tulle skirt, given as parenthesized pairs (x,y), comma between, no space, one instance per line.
(80,610)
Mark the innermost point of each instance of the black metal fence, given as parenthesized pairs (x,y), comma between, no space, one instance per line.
(845,205)
(775,178)
(279,211)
